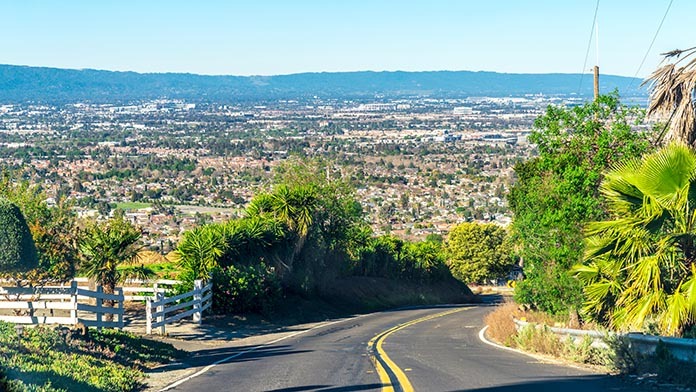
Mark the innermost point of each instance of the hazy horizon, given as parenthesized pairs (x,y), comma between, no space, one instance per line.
(310,72)
(264,38)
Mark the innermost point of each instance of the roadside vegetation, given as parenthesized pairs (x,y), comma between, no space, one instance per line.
(302,244)
(605,228)
(49,359)
(615,356)
(307,236)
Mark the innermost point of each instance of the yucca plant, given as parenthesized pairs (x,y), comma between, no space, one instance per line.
(294,206)
(640,265)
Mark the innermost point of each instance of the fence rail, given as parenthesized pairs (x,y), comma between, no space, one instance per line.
(158,314)
(85,305)
(79,312)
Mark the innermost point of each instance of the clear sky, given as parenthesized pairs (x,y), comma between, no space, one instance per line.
(264,37)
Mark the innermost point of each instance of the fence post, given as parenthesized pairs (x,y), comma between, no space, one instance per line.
(197,303)
(100,290)
(160,311)
(148,315)
(73,302)
(121,300)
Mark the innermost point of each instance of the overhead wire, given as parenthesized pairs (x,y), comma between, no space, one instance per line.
(647,52)
(589,45)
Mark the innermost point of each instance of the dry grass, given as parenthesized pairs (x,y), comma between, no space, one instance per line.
(501,328)
(539,339)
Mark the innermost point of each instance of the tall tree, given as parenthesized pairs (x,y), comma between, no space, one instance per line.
(557,192)
(641,262)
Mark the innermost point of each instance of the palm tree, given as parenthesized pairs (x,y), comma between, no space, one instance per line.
(295,207)
(640,266)
(673,94)
(107,246)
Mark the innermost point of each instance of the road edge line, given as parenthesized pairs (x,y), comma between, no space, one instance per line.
(239,354)
(221,361)
(539,357)
(482,337)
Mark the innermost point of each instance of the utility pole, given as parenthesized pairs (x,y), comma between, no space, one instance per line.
(596,82)
(596,67)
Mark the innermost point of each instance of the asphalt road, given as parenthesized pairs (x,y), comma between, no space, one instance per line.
(421,347)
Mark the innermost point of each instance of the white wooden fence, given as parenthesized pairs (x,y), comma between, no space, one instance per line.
(74,301)
(157,311)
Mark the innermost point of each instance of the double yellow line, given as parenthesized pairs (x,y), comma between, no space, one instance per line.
(390,375)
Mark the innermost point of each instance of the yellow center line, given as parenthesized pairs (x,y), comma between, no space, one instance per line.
(384,365)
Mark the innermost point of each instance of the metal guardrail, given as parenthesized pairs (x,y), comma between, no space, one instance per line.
(681,348)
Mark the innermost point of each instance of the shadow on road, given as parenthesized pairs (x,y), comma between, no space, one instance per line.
(238,354)
(329,388)
(245,354)
(592,383)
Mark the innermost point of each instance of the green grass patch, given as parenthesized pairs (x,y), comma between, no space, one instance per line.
(50,359)
(165,270)
(132,205)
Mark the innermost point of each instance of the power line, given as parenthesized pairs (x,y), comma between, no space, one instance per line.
(647,52)
(589,45)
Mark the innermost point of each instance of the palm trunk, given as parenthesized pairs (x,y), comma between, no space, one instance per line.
(109,288)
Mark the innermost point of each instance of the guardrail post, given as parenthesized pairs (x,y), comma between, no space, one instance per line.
(148,316)
(159,297)
(99,301)
(197,303)
(73,302)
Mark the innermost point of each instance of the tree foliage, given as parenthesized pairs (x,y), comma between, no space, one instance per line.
(478,252)
(556,193)
(54,229)
(308,230)
(641,261)
(17,250)
(106,247)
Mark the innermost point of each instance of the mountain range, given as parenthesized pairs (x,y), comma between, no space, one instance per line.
(55,85)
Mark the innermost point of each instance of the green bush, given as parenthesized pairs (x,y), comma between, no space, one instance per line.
(46,359)
(479,252)
(17,249)
(556,193)
(244,289)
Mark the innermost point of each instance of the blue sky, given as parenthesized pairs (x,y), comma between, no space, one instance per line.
(280,37)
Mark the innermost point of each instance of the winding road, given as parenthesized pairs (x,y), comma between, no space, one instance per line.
(424,349)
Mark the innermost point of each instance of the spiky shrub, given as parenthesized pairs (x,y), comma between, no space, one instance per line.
(17,249)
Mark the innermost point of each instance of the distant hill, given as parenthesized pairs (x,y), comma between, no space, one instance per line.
(40,84)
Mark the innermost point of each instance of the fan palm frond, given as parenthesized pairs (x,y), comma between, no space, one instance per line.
(671,88)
